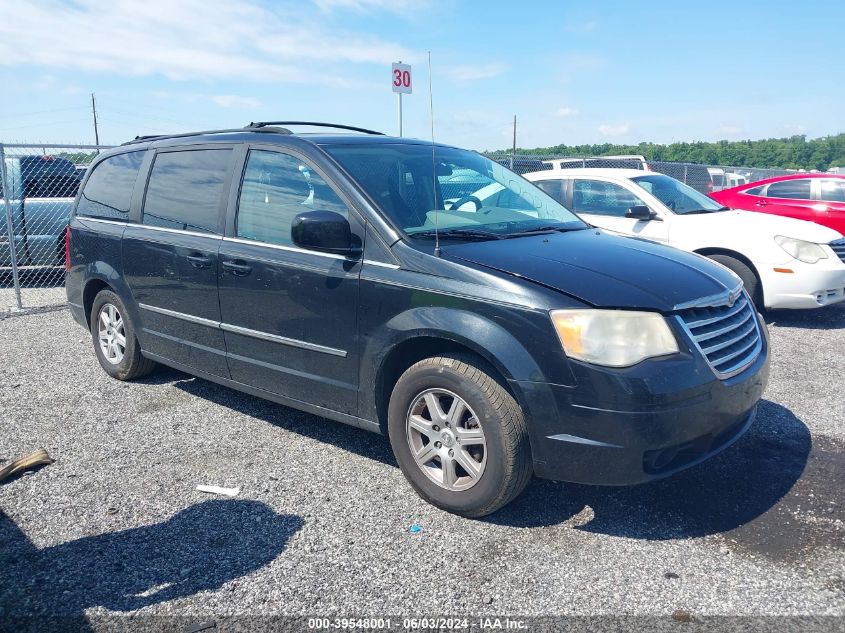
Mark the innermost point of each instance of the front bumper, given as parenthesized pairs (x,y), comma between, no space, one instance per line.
(809,286)
(620,427)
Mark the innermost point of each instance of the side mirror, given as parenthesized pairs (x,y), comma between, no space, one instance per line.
(324,231)
(640,212)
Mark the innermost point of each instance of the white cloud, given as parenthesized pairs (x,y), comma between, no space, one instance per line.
(474,73)
(578,62)
(730,130)
(396,6)
(234,101)
(609,130)
(565,112)
(189,39)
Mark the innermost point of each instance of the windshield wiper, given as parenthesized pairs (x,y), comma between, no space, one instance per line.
(556,228)
(470,234)
(699,211)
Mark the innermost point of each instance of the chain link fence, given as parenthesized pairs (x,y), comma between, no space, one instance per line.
(38,184)
(704,178)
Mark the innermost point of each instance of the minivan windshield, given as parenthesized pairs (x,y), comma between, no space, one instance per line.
(679,197)
(463,194)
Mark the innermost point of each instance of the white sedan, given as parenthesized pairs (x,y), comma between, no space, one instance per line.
(783,262)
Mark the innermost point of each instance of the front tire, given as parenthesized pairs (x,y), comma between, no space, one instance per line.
(115,343)
(748,276)
(459,436)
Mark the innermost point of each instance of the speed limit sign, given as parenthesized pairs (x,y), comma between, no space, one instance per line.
(401,78)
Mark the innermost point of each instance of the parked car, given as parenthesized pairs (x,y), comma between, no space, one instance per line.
(696,176)
(783,263)
(717,179)
(325,272)
(733,179)
(40,190)
(814,197)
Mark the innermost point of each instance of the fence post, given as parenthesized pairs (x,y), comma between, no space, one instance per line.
(10,226)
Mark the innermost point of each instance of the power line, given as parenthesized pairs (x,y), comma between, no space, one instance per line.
(39,124)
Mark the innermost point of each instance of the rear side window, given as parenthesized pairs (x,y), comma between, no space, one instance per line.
(833,190)
(552,187)
(754,191)
(793,189)
(276,187)
(186,189)
(602,198)
(108,192)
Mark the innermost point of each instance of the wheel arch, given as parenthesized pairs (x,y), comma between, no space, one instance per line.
(410,337)
(707,251)
(92,288)
(714,250)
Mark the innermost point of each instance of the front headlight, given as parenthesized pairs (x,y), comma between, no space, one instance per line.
(807,252)
(614,338)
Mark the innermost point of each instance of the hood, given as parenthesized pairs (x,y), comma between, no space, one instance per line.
(768,224)
(603,270)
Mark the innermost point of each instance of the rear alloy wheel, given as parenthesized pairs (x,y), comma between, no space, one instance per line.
(111,334)
(458,435)
(114,339)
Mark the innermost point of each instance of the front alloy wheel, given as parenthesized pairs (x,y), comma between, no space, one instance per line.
(446,439)
(458,435)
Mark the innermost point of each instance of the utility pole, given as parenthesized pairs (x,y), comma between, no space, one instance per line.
(94,110)
(513,152)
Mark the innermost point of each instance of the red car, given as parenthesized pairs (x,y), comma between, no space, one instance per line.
(819,198)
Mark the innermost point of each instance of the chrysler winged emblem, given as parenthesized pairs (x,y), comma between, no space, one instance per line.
(734,296)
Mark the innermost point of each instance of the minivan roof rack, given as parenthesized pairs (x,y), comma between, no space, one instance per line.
(153,137)
(337,126)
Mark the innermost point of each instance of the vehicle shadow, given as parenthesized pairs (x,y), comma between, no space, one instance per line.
(717,496)
(198,549)
(827,318)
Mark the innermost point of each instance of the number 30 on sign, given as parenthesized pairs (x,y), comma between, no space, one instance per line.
(401,78)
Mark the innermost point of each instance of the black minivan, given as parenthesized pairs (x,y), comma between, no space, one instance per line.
(360,277)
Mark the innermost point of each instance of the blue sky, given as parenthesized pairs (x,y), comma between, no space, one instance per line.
(572,72)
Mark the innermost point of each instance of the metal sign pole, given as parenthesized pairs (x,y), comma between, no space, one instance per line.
(10,226)
(400,114)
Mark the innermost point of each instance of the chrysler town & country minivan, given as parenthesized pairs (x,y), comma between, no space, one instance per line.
(344,274)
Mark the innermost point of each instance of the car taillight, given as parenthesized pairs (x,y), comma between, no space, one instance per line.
(67,248)
(709,187)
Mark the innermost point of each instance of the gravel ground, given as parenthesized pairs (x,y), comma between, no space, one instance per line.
(321,525)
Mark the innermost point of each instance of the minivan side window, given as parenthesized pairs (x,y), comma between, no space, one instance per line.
(108,192)
(793,189)
(602,198)
(276,187)
(186,189)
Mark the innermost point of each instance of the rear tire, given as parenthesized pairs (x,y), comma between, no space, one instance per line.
(748,276)
(115,343)
(459,436)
